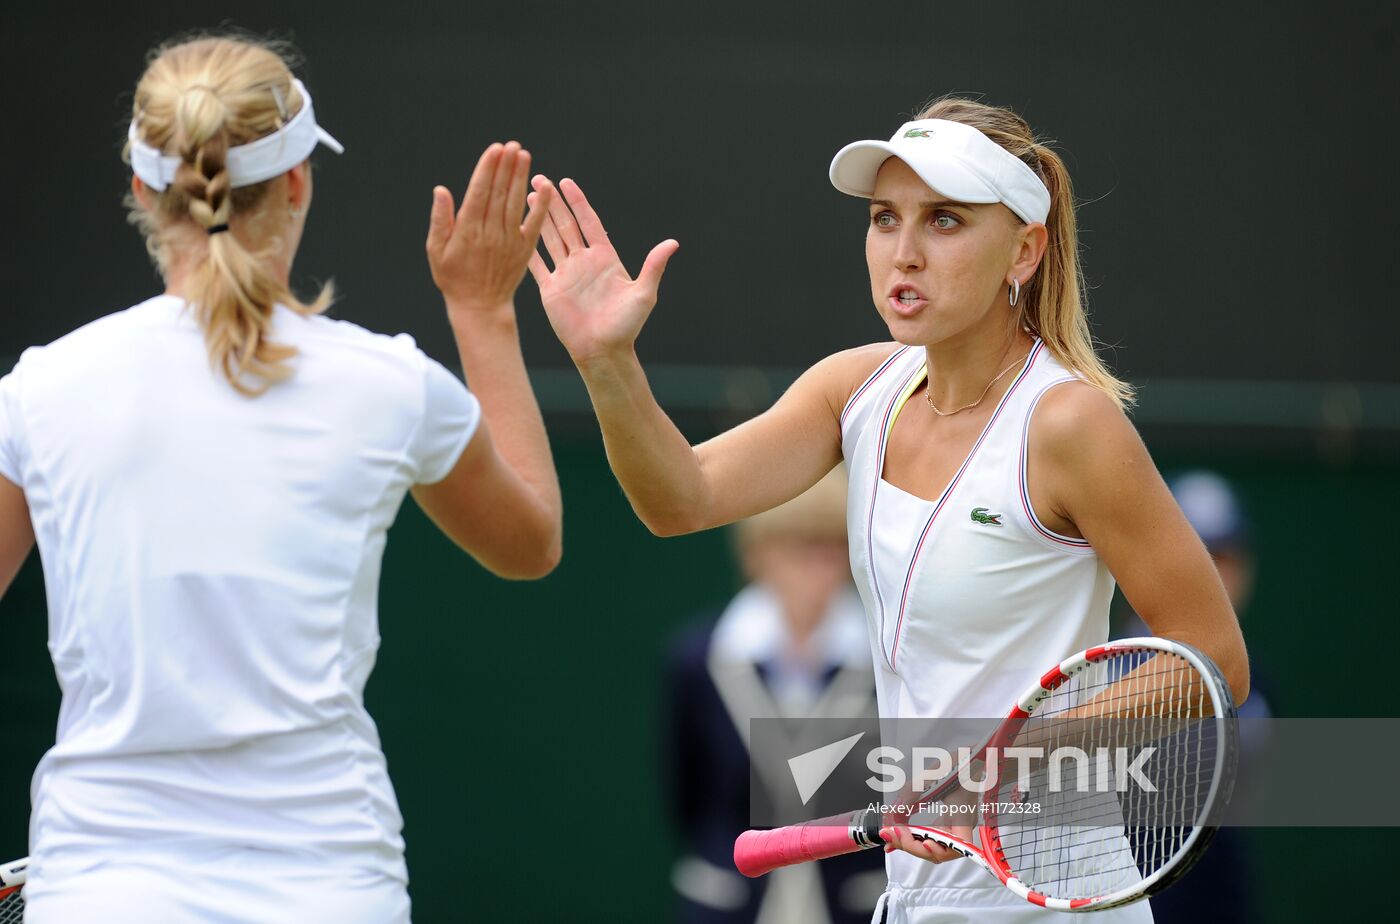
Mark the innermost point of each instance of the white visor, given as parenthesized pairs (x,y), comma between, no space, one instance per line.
(955,159)
(271,155)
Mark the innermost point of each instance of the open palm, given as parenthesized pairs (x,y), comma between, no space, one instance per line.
(594,306)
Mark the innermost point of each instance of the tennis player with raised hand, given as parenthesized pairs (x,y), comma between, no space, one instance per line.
(210,475)
(997,489)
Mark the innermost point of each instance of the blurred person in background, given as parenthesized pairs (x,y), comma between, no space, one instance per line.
(791,644)
(1220,886)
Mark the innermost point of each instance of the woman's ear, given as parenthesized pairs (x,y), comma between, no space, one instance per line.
(299,186)
(141,191)
(1031,242)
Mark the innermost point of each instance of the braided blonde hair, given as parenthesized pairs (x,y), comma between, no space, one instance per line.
(197,99)
(1052,300)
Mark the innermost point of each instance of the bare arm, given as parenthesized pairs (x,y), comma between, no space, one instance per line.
(1102,479)
(597,310)
(16,532)
(524,544)
(676,488)
(501,501)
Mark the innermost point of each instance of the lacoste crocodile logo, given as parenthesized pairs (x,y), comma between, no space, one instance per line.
(980,515)
(919,133)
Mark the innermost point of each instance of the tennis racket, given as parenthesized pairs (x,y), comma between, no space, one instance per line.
(1080,851)
(12,891)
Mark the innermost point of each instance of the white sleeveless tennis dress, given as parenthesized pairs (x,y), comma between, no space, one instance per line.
(964,611)
(212,570)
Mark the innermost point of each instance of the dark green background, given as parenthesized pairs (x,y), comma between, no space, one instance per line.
(1235,163)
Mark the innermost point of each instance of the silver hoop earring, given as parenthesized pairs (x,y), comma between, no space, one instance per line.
(1013,295)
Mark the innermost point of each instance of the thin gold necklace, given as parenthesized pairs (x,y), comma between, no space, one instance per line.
(928,393)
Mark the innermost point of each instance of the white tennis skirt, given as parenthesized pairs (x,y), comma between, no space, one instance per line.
(231,890)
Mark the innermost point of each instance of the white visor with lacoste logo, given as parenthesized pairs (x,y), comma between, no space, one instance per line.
(955,159)
(269,156)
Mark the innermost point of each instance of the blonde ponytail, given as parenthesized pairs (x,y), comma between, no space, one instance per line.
(1052,301)
(196,100)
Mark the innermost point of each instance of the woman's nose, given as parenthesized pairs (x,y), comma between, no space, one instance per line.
(908,253)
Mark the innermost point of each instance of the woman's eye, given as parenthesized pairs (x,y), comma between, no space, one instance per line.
(883,220)
(946,222)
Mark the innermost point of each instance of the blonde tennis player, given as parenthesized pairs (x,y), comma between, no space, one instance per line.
(210,475)
(996,488)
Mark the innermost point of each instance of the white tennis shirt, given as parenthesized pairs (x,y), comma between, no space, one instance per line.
(212,568)
(969,598)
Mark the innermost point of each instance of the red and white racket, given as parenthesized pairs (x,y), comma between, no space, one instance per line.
(1079,851)
(12,891)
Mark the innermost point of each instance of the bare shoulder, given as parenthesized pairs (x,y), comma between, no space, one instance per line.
(1086,455)
(1075,417)
(840,374)
(863,360)
(1085,446)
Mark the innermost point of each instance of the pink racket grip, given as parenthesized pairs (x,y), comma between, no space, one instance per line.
(759,852)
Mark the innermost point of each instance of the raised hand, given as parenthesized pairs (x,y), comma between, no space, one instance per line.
(478,256)
(594,306)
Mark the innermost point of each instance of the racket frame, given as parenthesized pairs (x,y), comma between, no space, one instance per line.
(989,856)
(12,877)
(1222,777)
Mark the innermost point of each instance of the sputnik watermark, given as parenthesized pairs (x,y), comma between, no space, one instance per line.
(1108,769)
(907,809)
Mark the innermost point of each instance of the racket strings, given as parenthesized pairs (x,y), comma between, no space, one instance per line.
(11,906)
(1096,829)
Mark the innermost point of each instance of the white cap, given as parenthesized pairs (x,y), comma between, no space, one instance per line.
(271,155)
(955,159)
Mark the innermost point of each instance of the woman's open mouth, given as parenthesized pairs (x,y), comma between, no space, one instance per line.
(906,300)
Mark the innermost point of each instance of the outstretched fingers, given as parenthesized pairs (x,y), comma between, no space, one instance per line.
(538,215)
(439,221)
(479,188)
(553,244)
(538,270)
(655,265)
(588,220)
(515,195)
(566,225)
(497,211)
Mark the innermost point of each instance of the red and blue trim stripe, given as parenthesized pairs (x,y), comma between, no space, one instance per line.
(869,382)
(875,489)
(947,493)
(1066,541)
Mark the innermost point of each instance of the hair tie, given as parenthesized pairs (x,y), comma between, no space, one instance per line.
(215,229)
